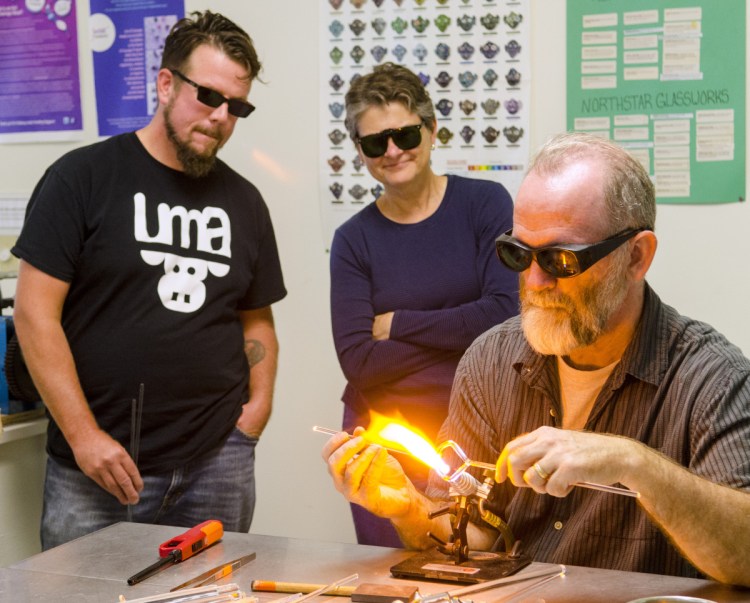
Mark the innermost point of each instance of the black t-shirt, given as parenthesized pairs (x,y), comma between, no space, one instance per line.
(159,265)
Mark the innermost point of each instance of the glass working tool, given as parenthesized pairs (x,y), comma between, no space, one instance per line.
(467,462)
(453,560)
(215,574)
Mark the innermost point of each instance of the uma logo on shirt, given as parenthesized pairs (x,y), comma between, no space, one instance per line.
(181,288)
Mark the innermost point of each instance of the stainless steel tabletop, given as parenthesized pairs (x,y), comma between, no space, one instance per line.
(95,568)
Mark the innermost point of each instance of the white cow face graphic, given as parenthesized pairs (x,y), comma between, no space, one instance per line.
(181,288)
(207,231)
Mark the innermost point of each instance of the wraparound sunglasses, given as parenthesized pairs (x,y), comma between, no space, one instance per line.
(406,138)
(207,96)
(560,261)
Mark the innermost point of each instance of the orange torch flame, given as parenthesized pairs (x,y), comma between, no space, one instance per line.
(396,434)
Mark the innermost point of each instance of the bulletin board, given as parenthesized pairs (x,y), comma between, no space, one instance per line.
(667,81)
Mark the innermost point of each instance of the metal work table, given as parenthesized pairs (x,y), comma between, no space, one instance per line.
(94,569)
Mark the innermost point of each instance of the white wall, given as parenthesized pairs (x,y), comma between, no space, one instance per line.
(700,266)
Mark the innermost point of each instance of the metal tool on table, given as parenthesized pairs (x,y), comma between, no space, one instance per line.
(215,574)
(136,417)
(183,547)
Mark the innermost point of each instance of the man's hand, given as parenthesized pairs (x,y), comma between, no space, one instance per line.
(367,475)
(552,461)
(253,420)
(381,326)
(106,462)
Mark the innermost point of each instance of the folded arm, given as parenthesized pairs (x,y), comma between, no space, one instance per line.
(365,360)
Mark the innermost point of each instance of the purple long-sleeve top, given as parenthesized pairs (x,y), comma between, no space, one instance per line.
(445,285)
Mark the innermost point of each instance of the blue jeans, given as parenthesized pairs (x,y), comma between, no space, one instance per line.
(219,486)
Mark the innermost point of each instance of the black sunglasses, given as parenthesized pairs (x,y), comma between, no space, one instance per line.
(236,107)
(406,138)
(561,261)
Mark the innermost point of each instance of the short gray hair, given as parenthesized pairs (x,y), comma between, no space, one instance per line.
(387,83)
(629,195)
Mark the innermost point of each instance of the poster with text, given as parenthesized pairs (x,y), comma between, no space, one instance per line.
(40,95)
(667,81)
(473,57)
(127,39)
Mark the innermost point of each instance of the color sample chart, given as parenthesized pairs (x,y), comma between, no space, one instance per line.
(473,57)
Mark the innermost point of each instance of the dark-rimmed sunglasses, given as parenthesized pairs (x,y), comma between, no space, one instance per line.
(207,96)
(560,261)
(406,138)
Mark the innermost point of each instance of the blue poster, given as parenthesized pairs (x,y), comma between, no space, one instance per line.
(127,38)
(40,96)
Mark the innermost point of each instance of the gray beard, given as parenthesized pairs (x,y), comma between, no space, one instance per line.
(567,326)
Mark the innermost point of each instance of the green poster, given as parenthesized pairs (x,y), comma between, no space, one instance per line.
(666,80)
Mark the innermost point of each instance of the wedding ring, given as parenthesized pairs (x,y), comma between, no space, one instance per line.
(541,472)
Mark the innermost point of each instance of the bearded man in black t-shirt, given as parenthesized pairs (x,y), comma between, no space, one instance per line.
(143,307)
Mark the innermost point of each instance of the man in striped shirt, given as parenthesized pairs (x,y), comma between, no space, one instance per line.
(596,381)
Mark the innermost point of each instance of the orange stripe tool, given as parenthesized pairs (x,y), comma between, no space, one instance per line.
(182,547)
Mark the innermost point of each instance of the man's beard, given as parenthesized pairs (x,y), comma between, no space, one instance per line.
(194,164)
(556,324)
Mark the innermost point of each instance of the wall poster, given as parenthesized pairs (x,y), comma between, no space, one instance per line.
(667,81)
(40,96)
(474,58)
(127,39)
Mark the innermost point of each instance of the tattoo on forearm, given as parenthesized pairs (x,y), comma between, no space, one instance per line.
(255,351)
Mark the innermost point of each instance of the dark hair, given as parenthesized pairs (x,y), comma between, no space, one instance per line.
(213,29)
(629,195)
(386,84)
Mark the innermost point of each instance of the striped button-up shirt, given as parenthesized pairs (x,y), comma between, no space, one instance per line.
(681,388)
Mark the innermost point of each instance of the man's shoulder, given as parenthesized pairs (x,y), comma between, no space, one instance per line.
(698,342)
(100,156)
(109,145)
(508,333)
(671,343)
(82,166)
(494,354)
